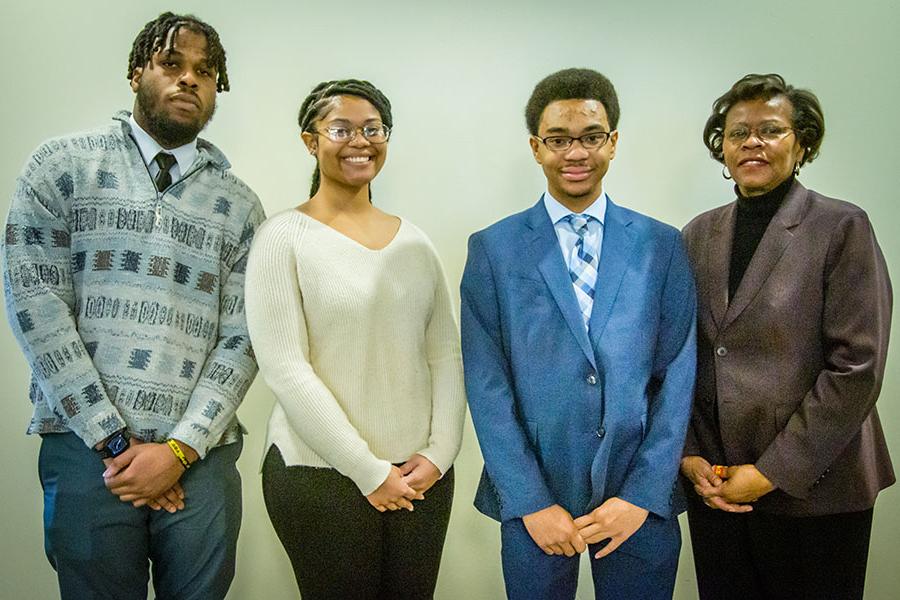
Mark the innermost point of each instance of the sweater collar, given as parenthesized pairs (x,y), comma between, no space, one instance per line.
(185,155)
(207,152)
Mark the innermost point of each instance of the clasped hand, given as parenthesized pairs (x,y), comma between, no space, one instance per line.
(147,474)
(731,490)
(555,531)
(404,484)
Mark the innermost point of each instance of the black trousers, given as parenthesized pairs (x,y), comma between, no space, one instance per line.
(759,556)
(341,547)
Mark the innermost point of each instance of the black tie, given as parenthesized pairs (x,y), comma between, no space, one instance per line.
(164,178)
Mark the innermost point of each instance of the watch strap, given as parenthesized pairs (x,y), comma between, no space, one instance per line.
(114,445)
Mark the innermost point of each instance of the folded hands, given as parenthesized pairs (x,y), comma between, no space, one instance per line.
(404,484)
(555,531)
(728,488)
(148,474)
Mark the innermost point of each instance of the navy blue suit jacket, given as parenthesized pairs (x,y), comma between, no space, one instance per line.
(567,417)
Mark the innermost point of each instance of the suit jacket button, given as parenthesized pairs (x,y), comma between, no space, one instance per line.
(601,432)
(592,379)
(721,350)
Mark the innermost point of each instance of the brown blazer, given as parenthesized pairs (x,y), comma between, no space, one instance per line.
(789,371)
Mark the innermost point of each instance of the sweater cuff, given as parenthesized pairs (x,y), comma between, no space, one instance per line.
(99,427)
(370,474)
(432,454)
(184,434)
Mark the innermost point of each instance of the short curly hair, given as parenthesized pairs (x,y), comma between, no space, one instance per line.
(159,34)
(807,119)
(572,84)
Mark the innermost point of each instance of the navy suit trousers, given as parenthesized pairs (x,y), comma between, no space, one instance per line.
(642,568)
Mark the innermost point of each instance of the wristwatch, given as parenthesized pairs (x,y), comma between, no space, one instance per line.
(114,445)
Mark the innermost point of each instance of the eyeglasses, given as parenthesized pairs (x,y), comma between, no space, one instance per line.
(767,132)
(589,141)
(375,134)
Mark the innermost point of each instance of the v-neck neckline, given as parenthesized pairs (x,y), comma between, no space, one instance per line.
(350,239)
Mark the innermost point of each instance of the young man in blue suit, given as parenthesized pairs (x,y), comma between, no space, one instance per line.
(578,331)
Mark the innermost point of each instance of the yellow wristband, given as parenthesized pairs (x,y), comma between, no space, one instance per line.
(178,453)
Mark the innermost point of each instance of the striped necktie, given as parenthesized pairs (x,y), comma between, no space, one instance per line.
(164,177)
(582,267)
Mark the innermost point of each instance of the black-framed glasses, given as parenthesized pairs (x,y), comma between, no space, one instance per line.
(375,134)
(767,132)
(588,141)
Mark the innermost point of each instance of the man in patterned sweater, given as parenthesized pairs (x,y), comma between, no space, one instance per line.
(125,250)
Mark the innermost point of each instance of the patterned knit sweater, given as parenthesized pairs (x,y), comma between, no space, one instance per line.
(127,304)
(360,347)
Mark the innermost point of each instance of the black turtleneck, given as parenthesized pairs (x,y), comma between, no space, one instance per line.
(753,217)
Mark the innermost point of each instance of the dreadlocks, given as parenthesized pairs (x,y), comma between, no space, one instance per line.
(160,34)
(320,97)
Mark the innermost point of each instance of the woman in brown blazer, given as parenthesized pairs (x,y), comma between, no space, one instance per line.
(785,453)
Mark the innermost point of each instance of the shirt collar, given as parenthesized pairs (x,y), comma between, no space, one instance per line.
(184,155)
(557,211)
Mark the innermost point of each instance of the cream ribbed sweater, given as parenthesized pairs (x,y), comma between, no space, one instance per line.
(360,347)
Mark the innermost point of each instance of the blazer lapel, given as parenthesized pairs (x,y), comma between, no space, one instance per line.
(544,247)
(778,235)
(718,263)
(616,250)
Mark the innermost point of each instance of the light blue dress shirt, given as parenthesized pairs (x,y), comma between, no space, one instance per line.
(593,241)
(184,155)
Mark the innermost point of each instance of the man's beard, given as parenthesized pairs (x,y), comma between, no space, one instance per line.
(167,132)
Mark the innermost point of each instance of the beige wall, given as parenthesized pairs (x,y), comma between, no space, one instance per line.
(458,75)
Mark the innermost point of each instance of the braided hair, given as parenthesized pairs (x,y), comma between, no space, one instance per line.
(159,35)
(319,98)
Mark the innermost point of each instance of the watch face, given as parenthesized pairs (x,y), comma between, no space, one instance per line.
(117,445)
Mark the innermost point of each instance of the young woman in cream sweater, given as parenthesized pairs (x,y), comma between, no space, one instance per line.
(353,328)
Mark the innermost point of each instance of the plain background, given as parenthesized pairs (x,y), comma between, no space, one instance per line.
(458,75)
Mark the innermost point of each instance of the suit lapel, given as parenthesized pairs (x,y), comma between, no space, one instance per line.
(618,240)
(774,241)
(544,249)
(718,263)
